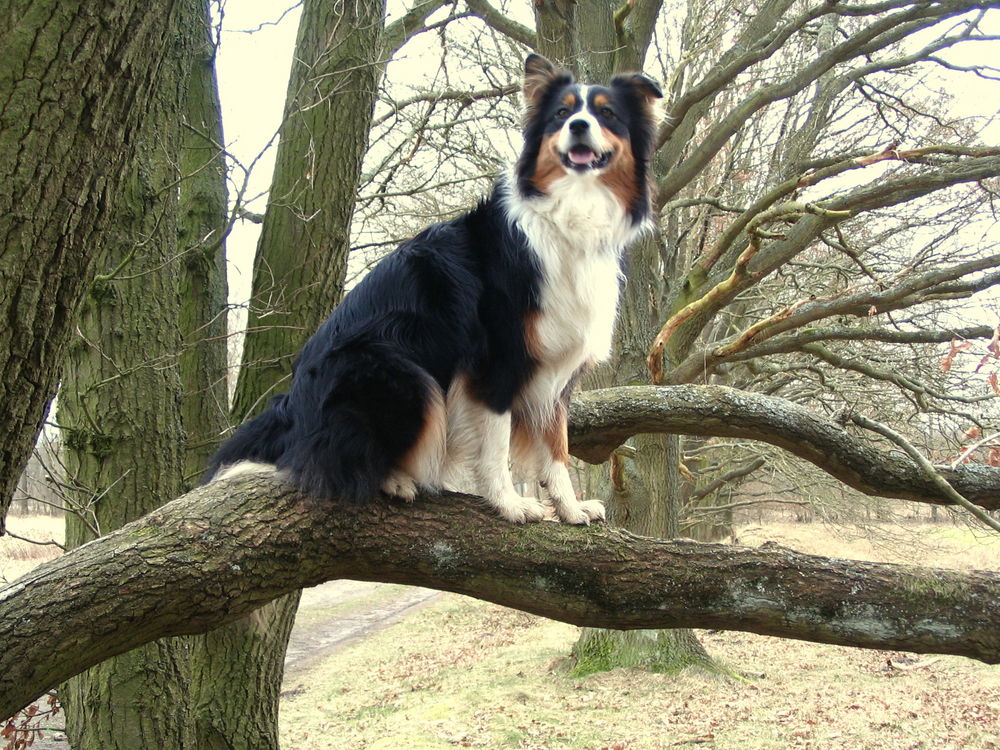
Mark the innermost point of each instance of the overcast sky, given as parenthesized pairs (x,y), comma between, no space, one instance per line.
(255,57)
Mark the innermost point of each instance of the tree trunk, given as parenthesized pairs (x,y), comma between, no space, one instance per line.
(221,551)
(63,158)
(591,39)
(299,275)
(119,409)
(236,678)
(203,227)
(301,257)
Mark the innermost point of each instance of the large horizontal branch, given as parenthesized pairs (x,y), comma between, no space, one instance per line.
(223,550)
(601,420)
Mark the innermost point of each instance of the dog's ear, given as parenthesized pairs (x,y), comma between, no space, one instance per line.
(539,73)
(646,88)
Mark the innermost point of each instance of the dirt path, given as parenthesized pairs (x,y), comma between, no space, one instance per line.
(331,616)
(338,613)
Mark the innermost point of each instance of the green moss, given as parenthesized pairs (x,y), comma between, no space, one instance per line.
(937,585)
(651,650)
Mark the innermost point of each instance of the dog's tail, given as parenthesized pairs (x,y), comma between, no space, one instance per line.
(351,418)
(260,440)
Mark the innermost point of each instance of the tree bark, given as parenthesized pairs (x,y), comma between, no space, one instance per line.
(225,549)
(601,420)
(75,82)
(301,257)
(298,278)
(203,224)
(120,414)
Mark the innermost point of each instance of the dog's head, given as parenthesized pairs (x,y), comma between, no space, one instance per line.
(575,131)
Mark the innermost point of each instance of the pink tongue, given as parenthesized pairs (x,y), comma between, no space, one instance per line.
(581,156)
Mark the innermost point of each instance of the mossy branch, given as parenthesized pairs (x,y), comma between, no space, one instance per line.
(223,550)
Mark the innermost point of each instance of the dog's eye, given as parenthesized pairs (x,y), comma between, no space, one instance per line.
(562,113)
(607,112)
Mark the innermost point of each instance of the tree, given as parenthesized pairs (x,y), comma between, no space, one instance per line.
(120,407)
(225,549)
(299,273)
(725,237)
(66,144)
(838,79)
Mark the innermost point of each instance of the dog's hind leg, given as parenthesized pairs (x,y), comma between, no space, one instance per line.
(423,465)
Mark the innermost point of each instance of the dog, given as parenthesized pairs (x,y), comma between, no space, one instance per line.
(459,350)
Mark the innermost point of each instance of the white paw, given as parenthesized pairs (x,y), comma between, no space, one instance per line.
(580,513)
(518,509)
(400,485)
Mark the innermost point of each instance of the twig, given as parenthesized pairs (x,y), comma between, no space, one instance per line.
(927,467)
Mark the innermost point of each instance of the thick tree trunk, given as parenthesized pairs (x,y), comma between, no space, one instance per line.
(302,253)
(119,410)
(63,156)
(202,228)
(298,278)
(223,550)
(236,678)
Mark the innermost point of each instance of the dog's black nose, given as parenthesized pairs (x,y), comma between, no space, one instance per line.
(579,127)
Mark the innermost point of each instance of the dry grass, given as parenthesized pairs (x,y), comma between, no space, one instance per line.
(462,673)
(17,557)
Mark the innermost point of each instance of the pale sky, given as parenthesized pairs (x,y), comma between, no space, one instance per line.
(253,74)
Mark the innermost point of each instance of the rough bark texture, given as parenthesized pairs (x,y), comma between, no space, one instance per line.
(302,253)
(236,673)
(120,412)
(202,230)
(601,420)
(298,278)
(223,550)
(75,81)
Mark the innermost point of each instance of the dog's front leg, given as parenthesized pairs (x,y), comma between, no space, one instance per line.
(478,456)
(547,452)
(492,471)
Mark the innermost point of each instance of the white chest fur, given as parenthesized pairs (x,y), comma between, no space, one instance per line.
(578,232)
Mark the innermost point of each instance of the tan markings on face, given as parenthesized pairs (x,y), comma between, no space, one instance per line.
(569,101)
(424,460)
(620,175)
(548,166)
(600,101)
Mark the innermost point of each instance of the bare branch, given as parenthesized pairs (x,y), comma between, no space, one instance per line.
(603,419)
(399,32)
(506,26)
(222,551)
(929,470)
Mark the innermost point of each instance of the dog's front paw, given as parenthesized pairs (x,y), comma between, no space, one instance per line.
(580,513)
(518,509)
(401,485)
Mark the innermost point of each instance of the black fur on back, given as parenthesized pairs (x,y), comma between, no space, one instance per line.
(452,300)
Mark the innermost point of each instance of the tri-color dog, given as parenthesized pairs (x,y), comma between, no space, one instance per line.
(459,350)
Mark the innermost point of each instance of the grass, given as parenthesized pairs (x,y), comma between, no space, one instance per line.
(17,557)
(463,673)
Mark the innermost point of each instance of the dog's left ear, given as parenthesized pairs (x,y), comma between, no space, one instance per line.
(538,74)
(645,88)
